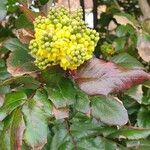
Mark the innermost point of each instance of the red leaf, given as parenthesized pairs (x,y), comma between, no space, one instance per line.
(100,77)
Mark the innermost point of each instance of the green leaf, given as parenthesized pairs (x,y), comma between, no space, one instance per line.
(64,94)
(127,61)
(130,133)
(3,71)
(36,131)
(139,144)
(68,139)
(61,139)
(146,98)
(143,118)
(123,30)
(19,61)
(147,84)
(136,93)
(97,143)
(3,9)
(14,44)
(22,82)
(12,134)
(52,76)
(120,44)
(42,98)
(12,101)
(109,110)
(82,103)
(43,2)
(84,127)
(4,89)
(22,22)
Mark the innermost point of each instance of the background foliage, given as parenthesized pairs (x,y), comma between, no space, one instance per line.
(104,105)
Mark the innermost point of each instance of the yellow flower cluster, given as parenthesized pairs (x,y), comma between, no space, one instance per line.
(62,39)
(107,49)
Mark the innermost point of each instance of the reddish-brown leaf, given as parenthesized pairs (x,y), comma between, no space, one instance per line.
(100,77)
(24,35)
(60,113)
(19,135)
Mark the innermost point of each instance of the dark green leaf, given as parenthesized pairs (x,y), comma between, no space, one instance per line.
(97,143)
(120,44)
(89,127)
(43,2)
(12,101)
(3,71)
(61,139)
(3,9)
(123,30)
(14,44)
(127,61)
(146,98)
(19,61)
(12,135)
(4,89)
(22,22)
(143,118)
(130,133)
(82,103)
(139,144)
(22,82)
(52,76)
(36,131)
(109,110)
(42,98)
(64,94)
(136,93)
(147,84)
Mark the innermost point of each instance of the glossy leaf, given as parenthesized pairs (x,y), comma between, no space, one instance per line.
(143,118)
(97,143)
(19,61)
(82,103)
(64,94)
(127,61)
(3,9)
(135,93)
(22,22)
(100,77)
(41,98)
(36,131)
(14,44)
(12,136)
(109,110)
(131,133)
(3,71)
(12,101)
(139,144)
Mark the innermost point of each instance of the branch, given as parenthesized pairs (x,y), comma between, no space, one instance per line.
(145,8)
